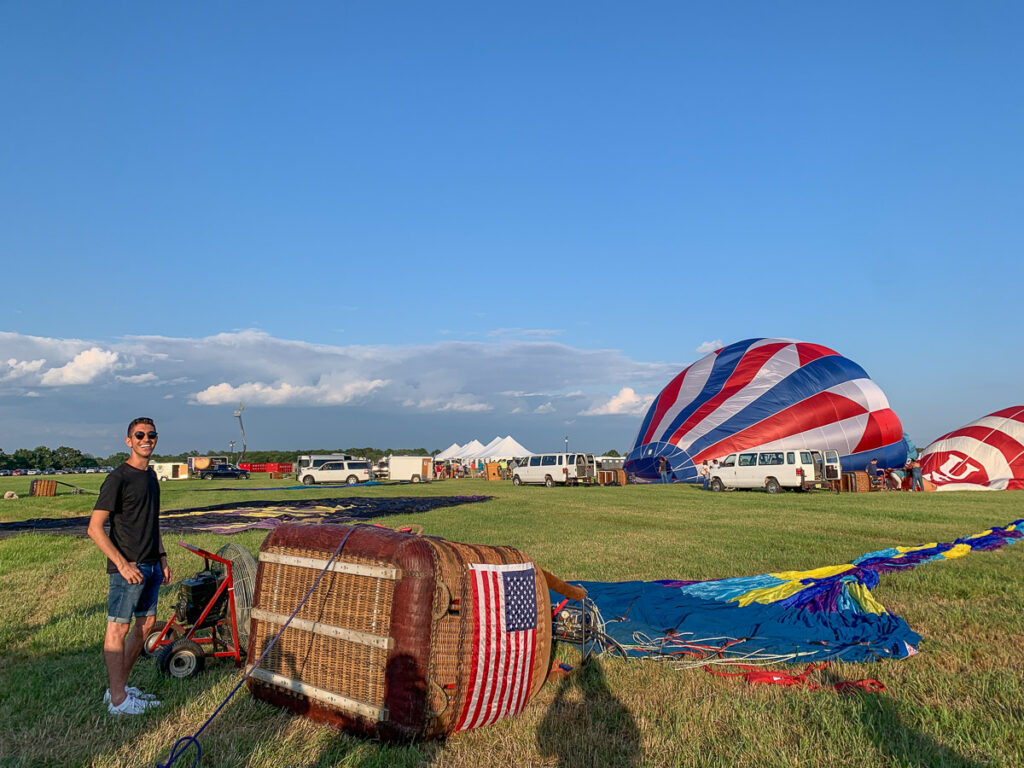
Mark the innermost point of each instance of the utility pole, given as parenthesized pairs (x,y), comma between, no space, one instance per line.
(241,426)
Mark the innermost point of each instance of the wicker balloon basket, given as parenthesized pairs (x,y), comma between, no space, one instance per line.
(403,636)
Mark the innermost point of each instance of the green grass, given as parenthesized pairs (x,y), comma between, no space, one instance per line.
(960,702)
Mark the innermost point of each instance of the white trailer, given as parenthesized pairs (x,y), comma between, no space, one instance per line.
(170,471)
(417,469)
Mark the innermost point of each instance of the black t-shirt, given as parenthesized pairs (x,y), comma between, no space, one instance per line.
(132,496)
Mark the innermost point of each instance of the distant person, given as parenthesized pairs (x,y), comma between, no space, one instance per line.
(916,481)
(136,564)
(875,474)
(705,475)
(663,468)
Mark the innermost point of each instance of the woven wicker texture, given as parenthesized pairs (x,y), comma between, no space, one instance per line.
(425,615)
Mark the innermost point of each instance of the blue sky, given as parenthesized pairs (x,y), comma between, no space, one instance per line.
(414,224)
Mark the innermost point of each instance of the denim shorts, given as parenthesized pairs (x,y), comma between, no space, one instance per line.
(125,599)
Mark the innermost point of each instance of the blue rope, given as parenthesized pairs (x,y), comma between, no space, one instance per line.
(186,741)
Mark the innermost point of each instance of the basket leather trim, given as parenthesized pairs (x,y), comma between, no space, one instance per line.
(374,571)
(328,630)
(380,714)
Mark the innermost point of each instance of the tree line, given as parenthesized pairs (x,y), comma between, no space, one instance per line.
(65,457)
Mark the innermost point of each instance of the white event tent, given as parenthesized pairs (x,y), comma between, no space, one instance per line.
(499,448)
(451,452)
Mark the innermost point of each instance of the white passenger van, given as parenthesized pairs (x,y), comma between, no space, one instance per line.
(552,468)
(775,470)
(349,472)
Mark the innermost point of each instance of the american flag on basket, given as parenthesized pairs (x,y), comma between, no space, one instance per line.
(504,639)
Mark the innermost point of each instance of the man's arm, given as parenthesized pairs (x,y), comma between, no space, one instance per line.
(97,533)
(163,558)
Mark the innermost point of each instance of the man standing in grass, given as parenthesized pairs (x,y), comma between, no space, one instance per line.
(136,562)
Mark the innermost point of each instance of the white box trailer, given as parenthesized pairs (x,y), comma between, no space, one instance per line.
(417,469)
(170,471)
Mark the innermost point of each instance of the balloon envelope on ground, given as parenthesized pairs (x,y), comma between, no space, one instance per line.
(987,454)
(767,394)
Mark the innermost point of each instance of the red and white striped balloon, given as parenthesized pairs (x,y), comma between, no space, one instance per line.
(987,454)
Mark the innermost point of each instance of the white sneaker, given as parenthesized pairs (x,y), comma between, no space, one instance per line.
(130,706)
(131,690)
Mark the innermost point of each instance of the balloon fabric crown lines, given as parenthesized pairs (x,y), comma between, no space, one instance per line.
(767,394)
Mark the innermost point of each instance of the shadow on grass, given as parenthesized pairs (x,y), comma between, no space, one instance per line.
(588,726)
(904,744)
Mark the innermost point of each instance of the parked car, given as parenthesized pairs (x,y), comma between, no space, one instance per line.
(224,472)
(5,473)
(18,472)
(348,472)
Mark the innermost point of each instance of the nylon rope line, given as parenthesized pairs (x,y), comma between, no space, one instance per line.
(185,741)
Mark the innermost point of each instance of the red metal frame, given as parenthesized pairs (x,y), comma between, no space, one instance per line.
(230,650)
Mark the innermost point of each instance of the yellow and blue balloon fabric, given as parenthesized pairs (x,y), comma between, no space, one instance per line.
(821,614)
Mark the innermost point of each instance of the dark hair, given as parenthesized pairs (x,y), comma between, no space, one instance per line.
(140,420)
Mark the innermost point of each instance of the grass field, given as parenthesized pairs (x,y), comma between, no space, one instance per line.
(960,702)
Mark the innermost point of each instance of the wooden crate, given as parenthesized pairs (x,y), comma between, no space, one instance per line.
(856,482)
(41,487)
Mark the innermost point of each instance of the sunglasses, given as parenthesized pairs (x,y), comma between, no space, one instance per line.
(150,435)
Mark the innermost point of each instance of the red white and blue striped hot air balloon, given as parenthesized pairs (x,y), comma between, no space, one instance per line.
(767,394)
(987,454)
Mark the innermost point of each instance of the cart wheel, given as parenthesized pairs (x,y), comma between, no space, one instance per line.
(148,644)
(183,658)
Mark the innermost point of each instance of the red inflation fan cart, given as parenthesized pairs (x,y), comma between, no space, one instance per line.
(211,619)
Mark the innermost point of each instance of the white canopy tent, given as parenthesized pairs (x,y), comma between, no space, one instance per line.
(453,451)
(499,448)
(502,448)
(469,449)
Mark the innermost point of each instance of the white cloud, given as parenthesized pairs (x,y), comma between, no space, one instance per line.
(709,346)
(625,402)
(31,394)
(139,378)
(19,368)
(456,403)
(328,392)
(253,367)
(546,408)
(84,368)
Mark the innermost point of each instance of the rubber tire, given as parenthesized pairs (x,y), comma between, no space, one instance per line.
(772,485)
(351,480)
(516,480)
(716,485)
(245,476)
(182,659)
(308,480)
(206,476)
(417,479)
(549,482)
(153,634)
